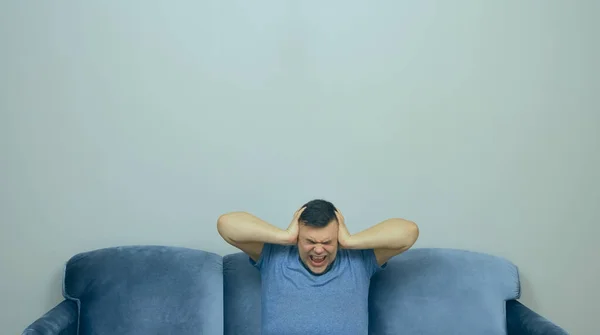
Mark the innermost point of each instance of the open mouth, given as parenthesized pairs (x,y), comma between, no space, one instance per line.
(317,260)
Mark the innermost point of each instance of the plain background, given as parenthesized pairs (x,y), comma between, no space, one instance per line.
(140,123)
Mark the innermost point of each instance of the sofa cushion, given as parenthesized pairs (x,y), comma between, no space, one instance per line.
(442,291)
(242,286)
(146,290)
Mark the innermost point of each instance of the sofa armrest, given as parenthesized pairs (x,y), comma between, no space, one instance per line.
(521,320)
(60,320)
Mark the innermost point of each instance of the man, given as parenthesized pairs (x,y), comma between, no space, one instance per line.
(315,275)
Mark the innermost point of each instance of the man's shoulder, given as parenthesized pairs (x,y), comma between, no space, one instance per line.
(279,249)
(356,254)
(272,253)
(365,258)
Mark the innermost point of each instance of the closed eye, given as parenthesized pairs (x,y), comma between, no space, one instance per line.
(324,242)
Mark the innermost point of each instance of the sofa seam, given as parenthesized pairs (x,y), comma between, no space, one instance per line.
(67,296)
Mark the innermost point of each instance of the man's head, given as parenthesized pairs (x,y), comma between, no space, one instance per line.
(318,235)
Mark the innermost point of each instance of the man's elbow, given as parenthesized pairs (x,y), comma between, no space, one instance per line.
(414,233)
(222,222)
(410,234)
(225,225)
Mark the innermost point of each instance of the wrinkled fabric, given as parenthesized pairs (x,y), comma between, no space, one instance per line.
(442,291)
(60,320)
(147,290)
(523,321)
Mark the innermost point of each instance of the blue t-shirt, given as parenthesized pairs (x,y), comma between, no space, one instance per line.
(295,301)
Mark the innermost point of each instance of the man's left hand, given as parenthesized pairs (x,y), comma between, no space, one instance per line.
(344,236)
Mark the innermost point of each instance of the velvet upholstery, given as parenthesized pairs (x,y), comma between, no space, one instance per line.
(168,290)
(442,291)
(523,321)
(146,290)
(60,320)
(242,285)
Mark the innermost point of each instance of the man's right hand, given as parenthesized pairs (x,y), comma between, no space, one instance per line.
(293,229)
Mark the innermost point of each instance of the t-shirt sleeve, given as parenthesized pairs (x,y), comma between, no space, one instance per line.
(370,261)
(266,256)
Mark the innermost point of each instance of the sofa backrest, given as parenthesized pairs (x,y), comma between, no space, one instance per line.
(422,291)
(170,290)
(146,290)
(442,291)
(241,295)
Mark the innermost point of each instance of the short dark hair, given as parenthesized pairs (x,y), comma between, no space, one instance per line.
(318,213)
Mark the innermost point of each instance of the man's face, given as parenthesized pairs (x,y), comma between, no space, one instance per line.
(318,246)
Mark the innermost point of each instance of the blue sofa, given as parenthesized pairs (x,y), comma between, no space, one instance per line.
(170,290)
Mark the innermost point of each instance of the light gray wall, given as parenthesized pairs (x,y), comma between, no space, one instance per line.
(135,123)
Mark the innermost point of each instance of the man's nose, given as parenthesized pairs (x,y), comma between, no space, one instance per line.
(319,249)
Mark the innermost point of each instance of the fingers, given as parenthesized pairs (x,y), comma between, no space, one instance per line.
(299,212)
(339,215)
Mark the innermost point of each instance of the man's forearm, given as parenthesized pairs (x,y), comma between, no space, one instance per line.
(389,234)
(243,227)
